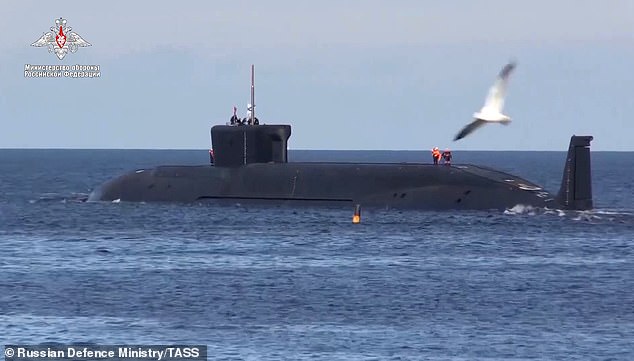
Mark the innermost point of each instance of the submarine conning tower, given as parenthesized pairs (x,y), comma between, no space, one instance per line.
(237,145)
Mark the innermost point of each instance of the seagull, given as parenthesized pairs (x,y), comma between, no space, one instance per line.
(491,112)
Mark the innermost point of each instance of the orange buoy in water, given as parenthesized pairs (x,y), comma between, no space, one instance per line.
(356,217)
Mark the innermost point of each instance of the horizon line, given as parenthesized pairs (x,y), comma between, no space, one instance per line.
(318,150)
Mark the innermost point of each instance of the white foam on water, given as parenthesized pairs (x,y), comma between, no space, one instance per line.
(521,209)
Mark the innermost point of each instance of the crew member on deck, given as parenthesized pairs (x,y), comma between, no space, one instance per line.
(446,157)
(247,120)
(435,154)
(250,119)
(234,119)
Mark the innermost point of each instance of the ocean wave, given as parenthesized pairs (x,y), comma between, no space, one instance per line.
(609,215)
(61,198)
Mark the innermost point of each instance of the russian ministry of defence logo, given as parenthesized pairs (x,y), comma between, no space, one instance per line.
(61,39)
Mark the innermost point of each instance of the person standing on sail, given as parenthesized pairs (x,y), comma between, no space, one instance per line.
(250,119)
(234,119)
(249,114)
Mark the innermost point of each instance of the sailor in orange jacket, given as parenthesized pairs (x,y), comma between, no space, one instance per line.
(435,154)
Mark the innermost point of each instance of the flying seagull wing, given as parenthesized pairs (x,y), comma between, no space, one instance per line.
(469,128)
(43,40)
(497,92)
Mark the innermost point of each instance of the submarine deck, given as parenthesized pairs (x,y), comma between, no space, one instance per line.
(403,185)
(485,172)
(491,175)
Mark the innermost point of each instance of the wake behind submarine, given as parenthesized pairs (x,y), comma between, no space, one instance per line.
(250,165)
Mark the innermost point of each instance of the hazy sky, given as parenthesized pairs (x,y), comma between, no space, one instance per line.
(346,74)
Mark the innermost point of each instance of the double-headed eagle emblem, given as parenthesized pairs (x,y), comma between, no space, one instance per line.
(61,39)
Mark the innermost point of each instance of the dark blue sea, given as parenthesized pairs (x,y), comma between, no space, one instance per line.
(257,283)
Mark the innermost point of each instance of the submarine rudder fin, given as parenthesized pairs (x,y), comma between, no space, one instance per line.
(575,191)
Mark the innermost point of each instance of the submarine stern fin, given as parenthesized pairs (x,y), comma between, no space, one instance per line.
(576,184)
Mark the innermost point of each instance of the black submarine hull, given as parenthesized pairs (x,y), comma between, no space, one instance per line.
(400,186)
(250,164)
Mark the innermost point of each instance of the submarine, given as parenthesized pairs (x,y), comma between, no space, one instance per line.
(249,164)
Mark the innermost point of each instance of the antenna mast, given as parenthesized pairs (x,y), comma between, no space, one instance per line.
(252,94)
